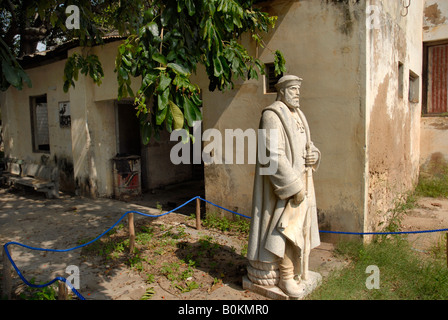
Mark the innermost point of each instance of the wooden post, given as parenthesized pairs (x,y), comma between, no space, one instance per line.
(62,292)
(7,275)
(198,214)
(131,232)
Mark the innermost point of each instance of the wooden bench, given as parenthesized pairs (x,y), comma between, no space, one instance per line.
(39,177)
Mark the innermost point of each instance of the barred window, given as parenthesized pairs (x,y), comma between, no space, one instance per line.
(270,78)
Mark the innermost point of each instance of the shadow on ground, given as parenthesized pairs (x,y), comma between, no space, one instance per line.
(216,257)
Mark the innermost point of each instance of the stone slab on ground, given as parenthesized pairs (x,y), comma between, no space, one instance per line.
(275,293)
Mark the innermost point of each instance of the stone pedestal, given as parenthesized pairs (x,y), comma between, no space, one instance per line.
(275,293)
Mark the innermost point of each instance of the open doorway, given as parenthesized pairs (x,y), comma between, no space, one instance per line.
(128,130)
(164,185)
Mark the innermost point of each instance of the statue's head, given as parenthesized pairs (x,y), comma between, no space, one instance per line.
(288,90)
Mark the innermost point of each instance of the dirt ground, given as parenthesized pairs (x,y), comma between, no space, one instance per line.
(31,219)
(429,214)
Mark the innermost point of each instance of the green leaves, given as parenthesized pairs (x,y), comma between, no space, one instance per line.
(178,116)
(166,40)
(174,39)
(153,28)
(179,69)
(164,81)
(12,72)
(190,6)
(87,65)
(279,63)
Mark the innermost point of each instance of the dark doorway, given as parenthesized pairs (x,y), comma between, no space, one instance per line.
(128,129)
(164,184)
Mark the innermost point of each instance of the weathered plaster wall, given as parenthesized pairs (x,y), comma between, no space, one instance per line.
(435,23)
(93,126)
(323,42)
(85,150)
(392,120)
(434,141)
(16,118)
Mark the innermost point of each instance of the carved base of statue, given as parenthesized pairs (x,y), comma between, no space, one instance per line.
(287,278)
(266,279)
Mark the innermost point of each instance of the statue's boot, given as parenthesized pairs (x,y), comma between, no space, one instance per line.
(287,283)
(290,288)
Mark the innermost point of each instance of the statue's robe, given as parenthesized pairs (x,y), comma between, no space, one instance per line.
(274,217)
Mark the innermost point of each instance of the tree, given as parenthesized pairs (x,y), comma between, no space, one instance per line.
(25,23)
(165,41)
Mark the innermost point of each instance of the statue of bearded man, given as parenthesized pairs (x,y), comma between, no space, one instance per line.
(284,224)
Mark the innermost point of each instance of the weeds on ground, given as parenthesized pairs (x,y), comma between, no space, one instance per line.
(402,205)
(46,293)
(434,181)
(238,225)
(404,275)
(166,251)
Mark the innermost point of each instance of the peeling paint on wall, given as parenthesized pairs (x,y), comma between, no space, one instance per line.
(435,20)
(433,15)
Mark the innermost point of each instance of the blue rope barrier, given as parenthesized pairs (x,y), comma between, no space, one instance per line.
(379,233)
(37,285)
(74,248)
(239,214)
(157,216)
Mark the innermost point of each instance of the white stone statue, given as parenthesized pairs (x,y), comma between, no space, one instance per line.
(284,224)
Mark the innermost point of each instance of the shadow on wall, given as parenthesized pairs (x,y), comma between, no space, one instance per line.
(66,174)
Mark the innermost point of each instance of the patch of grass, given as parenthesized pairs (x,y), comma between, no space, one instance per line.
(404,275)
(408,202)
(171,252)
(208,246)
(180,274)
(433,187)
(438,250)
(149,292)
(433,182)
(214,221)
(46,293)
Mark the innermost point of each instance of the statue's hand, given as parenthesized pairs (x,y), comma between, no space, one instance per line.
(311,158)
(299,197)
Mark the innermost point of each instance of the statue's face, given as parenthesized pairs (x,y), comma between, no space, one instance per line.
(291,96)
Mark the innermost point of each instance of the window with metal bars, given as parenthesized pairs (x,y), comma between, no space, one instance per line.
(270,78)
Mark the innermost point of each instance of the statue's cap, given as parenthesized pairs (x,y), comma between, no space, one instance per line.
(287,80)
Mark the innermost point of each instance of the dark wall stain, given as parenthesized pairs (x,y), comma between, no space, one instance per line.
(349,14)
(66,173)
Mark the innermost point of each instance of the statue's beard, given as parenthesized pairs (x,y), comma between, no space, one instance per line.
(292,103)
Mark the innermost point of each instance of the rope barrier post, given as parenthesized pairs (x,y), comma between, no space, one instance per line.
(7,275)
(131,232)
(198,214)
(62,291)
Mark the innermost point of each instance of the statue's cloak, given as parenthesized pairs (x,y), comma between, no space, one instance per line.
(274,217)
